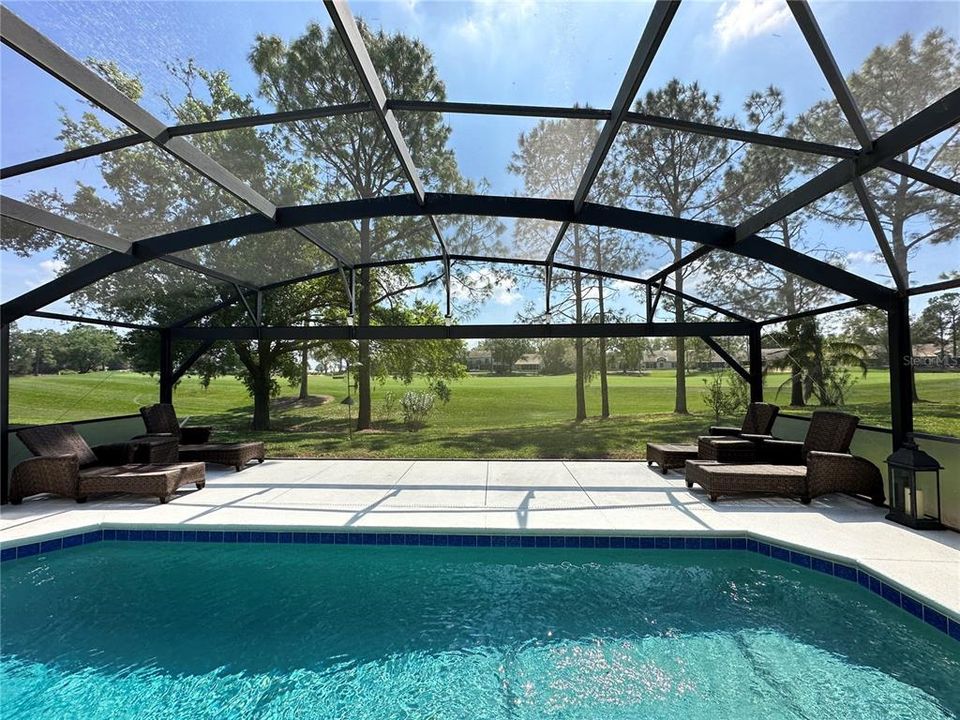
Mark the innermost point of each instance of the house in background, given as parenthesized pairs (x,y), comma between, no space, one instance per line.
(772,356)
(660,360)
(479,361)
(931,356)
(529,363)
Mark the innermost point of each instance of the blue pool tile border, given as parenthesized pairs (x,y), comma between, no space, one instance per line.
(810,561)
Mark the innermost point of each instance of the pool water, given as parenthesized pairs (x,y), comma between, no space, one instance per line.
(119,630)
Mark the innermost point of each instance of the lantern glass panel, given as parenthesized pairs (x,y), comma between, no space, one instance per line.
(927,491)
(900,481)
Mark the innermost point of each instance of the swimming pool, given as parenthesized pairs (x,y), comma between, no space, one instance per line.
(121,629)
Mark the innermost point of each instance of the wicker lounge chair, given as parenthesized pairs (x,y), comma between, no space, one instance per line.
(66,465)
(823,474)
(820,465)
(829,431)
(758,420)
(161,420)
(739,445)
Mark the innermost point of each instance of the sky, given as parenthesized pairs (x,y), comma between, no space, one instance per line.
(522,51)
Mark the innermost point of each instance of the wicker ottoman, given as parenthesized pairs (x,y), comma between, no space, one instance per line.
(160,481)
(718,479)
(726,449)
(236,454)
(669,456)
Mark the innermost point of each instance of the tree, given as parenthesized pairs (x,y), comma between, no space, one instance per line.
(823,361)
(505,352)
(144,193)
(724,393)
(356,159)
(630,352)
(33,352)
(556,356)
(894,83)
(867,326)
(939,322)
(550,159)
(678,174)
(84,348)
(764,176)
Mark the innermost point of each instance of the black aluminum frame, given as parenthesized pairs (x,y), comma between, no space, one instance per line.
(742,239)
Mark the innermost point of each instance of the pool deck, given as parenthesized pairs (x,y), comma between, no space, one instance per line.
(512,496)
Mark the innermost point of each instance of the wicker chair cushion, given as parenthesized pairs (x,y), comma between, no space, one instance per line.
(830,431)
(160,419)
(759,418)
(47,440)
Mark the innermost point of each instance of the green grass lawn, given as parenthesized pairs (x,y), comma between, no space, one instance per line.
(487,417)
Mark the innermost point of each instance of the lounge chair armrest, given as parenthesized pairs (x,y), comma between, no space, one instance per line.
(829,472)
(724,430)
(755,438)
(195,435)
(50,473)
(114,453)
(782,452)
(147,436)
(49,462)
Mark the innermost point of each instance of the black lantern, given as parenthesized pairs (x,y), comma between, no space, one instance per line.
(914,488)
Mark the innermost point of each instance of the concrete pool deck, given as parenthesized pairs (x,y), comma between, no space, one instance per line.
(494,496)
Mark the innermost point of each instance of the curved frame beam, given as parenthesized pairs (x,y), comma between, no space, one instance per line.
(708,234)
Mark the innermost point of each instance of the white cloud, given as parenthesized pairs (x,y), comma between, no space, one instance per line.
(52,266)
(863,256)
(623,285)
(738,20)
(42,273)
(489,19)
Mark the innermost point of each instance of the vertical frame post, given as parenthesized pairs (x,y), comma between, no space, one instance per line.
(166,366)
(5,412)
(901,370)
(756,366)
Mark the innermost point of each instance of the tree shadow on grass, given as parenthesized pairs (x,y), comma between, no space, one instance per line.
(315,430)
(618,437)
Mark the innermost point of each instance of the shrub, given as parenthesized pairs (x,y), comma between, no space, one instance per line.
(441,390)
(724,394)
(836,385)
(416,407)
(389,404)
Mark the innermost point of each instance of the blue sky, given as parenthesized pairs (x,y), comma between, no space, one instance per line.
(552,53)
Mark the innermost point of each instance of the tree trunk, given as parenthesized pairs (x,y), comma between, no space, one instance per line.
(578,343)
(304,374)
(680,404)
(602,344)
(602,348)
(260,374)
(796,385)
(365,405)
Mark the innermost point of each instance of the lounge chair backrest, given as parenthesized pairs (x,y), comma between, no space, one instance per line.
(759,418)
(160,418)
(47,440)
(830,431)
